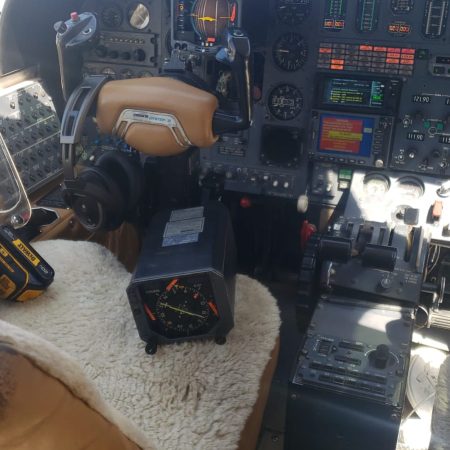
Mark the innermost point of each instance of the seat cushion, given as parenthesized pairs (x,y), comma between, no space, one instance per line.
(440,423)
(195,395)
(38,412)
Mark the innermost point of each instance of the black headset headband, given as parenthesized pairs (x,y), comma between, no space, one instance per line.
(77,109)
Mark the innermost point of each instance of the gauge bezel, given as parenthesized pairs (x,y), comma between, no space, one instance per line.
(110,6)
(410,180)
(152,293)
(301,55)
(298,110)
(132,9)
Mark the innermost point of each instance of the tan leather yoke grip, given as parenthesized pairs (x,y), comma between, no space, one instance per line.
(157,116)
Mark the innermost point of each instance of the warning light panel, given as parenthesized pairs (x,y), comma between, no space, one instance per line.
(366,58)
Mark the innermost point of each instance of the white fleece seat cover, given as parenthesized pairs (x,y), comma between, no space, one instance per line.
(188,396)
(440,423)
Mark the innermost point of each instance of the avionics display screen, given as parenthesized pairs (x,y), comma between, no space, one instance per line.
(346,134)
(368,94)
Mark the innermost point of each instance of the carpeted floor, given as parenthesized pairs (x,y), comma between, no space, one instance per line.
(187,396)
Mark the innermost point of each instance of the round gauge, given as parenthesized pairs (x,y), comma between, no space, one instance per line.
(285,102)
(109,72)
(410,187)
(139,16)
(293,12)
(376,185)
(126,74)
(184,310)
(112,16)
(290,52)
(211,17)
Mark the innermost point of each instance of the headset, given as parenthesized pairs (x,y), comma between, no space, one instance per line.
(102,196)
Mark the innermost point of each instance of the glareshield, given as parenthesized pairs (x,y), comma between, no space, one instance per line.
(15,207)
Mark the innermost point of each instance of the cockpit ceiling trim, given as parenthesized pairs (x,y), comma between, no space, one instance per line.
(129,117)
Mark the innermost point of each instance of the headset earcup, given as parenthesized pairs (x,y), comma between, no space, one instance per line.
(128,174)
(100,204)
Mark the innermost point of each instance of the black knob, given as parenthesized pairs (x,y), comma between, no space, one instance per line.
(101,51)
(380,357)
(60,27)
(139,55)
(412,153)
(436,153)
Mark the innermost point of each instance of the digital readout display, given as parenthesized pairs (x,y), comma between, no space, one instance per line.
(353,92)
(346,134)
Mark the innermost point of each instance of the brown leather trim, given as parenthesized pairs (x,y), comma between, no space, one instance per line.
(191,109)
(38,412)
(250,434)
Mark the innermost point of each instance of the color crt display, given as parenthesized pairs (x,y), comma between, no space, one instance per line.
(346,134)
(351,92)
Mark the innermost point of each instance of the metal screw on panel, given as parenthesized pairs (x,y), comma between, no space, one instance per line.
(275,438)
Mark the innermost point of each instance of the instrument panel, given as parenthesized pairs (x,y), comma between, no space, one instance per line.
(134,38)
(360,84)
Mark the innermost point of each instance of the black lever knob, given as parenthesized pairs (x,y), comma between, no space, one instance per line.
(380,357)
(237,56)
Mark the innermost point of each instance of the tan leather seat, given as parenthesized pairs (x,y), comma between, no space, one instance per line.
(38,412)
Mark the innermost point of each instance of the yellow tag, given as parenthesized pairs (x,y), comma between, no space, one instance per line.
(27,252)
(3,251)
(28,295)
(7,287)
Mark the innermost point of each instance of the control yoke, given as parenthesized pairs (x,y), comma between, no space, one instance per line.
(73,36)
(158,116)
(237,56)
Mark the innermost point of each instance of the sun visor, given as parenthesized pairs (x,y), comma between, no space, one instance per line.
(15,209)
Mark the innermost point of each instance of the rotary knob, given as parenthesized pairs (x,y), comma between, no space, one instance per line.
(139,55)
(380,357)
(101,51)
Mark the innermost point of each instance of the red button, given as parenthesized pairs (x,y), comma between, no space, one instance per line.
(245,202)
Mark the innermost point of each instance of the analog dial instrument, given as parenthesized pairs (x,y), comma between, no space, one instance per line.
(290,52)
(285,102)
(376,185)
(181,309)
(139,16)
(112,16)
(410,187)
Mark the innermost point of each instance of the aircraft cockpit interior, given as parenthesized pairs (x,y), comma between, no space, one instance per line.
(225,224)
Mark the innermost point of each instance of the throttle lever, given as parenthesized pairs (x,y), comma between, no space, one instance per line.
(73,36)
(237,56)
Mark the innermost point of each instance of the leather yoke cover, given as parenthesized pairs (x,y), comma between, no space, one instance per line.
(157,116)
